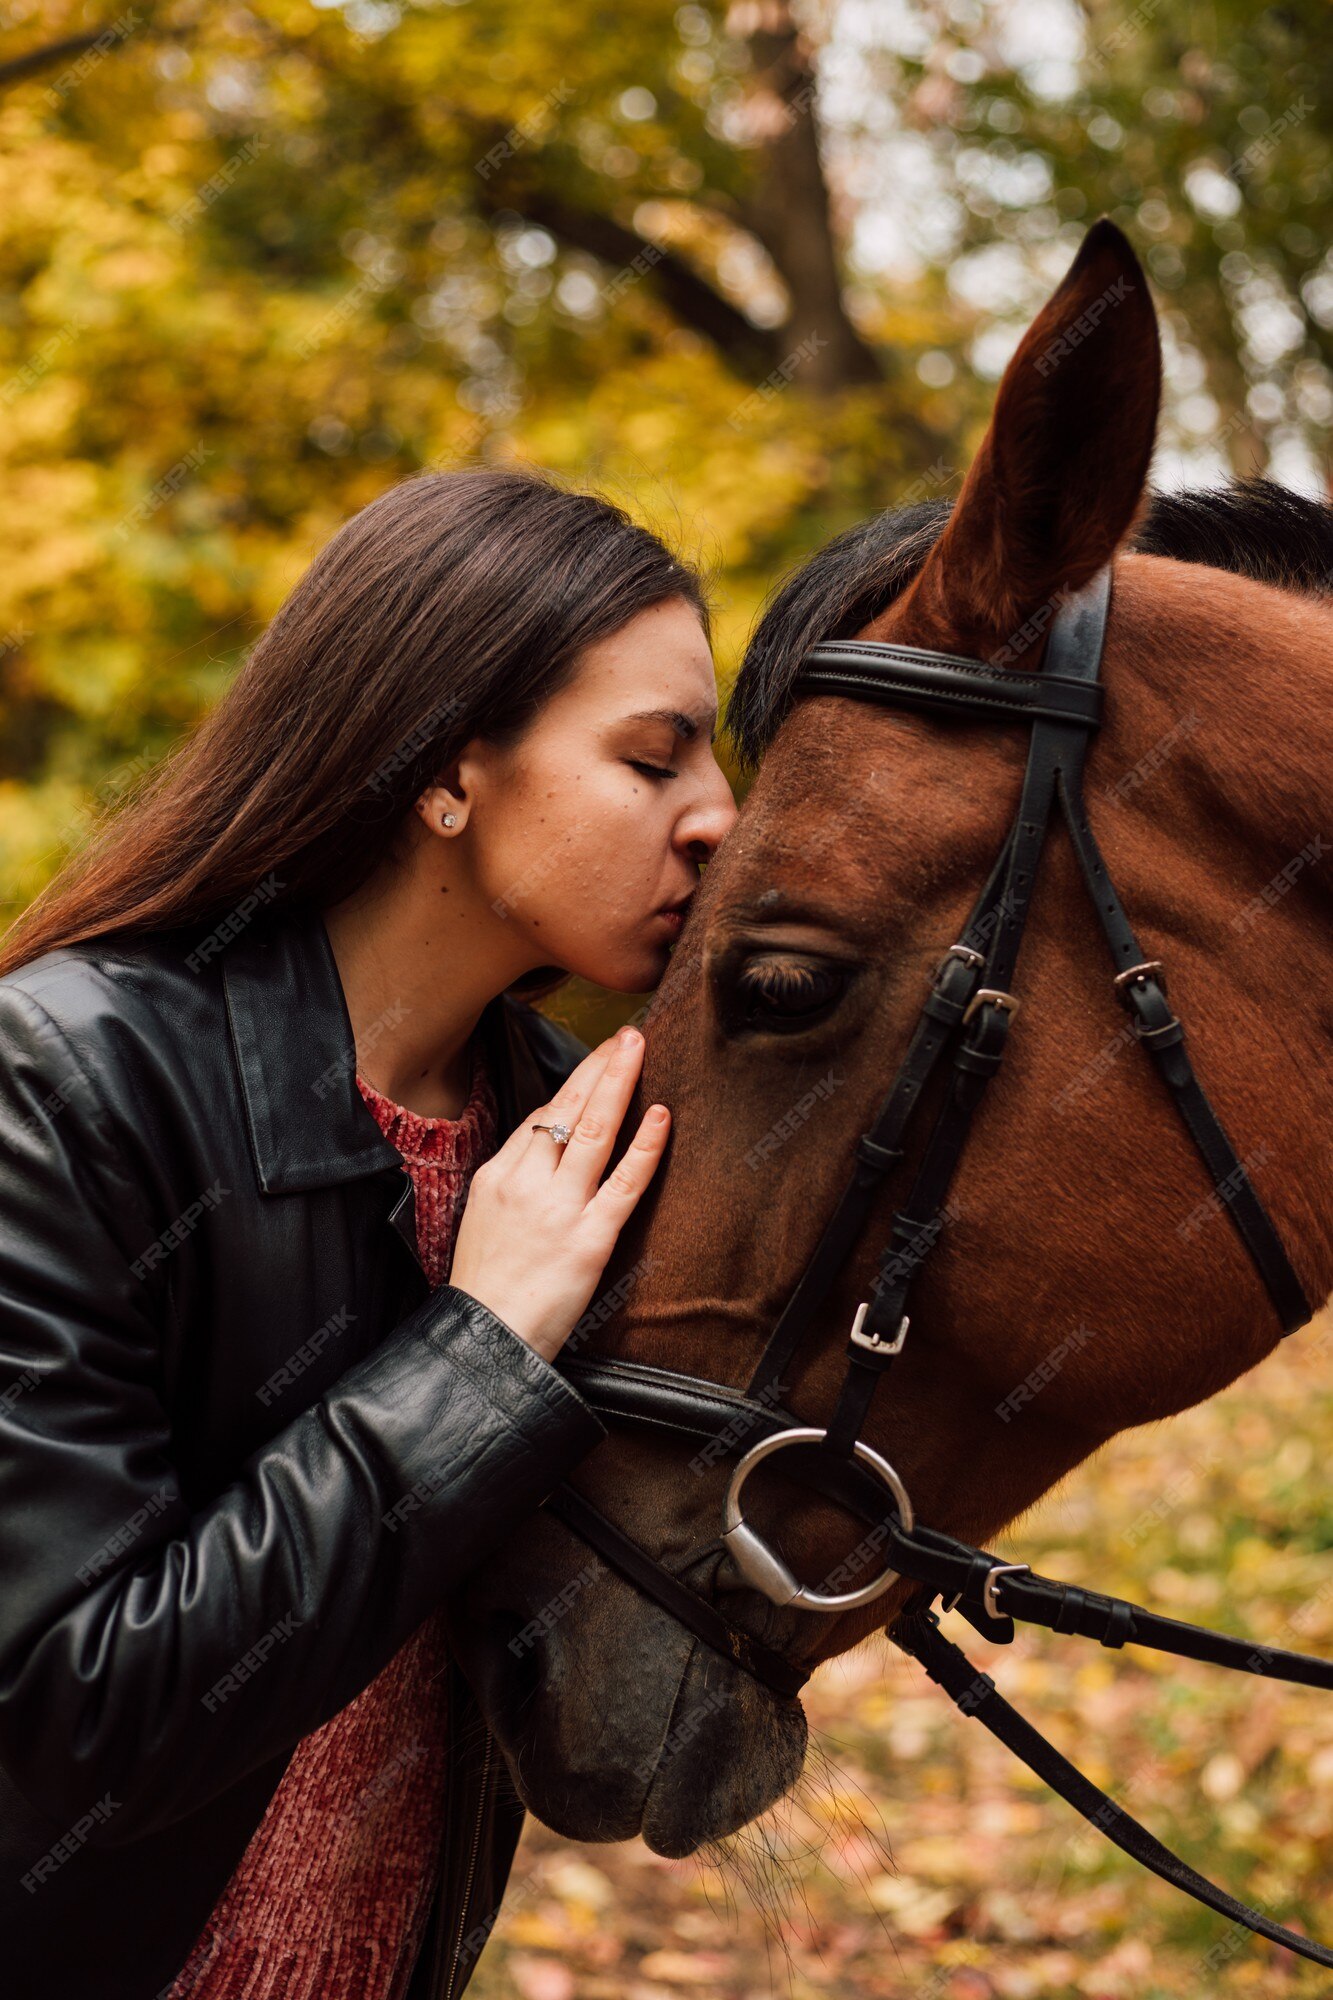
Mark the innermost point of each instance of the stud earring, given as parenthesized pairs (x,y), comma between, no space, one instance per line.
(449,818)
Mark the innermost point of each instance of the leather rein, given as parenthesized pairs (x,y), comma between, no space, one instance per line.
(964,1024)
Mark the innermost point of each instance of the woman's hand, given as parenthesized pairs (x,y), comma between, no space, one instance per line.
(537,1229)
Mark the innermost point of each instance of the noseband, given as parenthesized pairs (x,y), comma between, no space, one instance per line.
(962,1030)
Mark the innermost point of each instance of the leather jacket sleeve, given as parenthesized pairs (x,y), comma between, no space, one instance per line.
(151,1655)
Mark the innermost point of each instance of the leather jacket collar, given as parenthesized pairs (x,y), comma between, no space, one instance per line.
(289,1023)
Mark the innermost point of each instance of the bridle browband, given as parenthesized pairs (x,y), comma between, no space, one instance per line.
(965,1018)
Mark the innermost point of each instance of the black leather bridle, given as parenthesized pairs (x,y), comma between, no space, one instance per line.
(966,1019)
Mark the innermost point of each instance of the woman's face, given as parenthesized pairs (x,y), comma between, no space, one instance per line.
(603,811)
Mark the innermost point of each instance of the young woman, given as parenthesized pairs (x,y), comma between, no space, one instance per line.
(268,1390)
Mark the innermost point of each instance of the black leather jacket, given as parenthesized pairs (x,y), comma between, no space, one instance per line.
(244,1448)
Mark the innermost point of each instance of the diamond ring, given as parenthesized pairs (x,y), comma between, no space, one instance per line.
(560,1133)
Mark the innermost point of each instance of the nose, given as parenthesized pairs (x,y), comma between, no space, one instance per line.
(707,826)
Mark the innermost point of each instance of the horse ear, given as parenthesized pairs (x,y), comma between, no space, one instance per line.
(1059,478)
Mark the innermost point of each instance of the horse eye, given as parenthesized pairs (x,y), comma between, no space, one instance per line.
(785,992)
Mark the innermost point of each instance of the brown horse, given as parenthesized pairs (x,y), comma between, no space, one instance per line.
(1085,1281)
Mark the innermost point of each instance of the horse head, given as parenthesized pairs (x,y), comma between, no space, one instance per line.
(1082,1275)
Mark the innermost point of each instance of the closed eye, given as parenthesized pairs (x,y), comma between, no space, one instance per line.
(650,770)
(780,993)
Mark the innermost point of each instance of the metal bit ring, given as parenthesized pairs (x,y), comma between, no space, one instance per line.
(766,1571)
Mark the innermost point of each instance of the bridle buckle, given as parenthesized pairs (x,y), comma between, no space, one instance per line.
(988,1603)
(1149,968)
(1131,984)
(971,959)
(990,996)
(988,1588)
(873,1342)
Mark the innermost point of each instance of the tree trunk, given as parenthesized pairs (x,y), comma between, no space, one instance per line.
(790,210)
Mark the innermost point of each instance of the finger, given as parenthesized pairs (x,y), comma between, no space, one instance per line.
(517,1142)
(631,1174)
(564,1108)
(584,1159)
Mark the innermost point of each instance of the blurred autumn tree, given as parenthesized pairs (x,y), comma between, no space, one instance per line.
(754,275)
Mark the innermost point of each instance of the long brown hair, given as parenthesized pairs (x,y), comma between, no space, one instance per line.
(454,605)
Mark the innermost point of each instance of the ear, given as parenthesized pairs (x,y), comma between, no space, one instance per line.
(1060,474)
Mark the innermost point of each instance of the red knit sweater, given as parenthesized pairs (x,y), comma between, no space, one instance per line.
(330,1899)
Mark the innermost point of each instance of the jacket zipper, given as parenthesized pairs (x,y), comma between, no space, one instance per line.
(471,1870)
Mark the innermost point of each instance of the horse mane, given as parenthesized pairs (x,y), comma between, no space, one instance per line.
(1252,527)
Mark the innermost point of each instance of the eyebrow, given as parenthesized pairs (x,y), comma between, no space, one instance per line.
(684,725)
